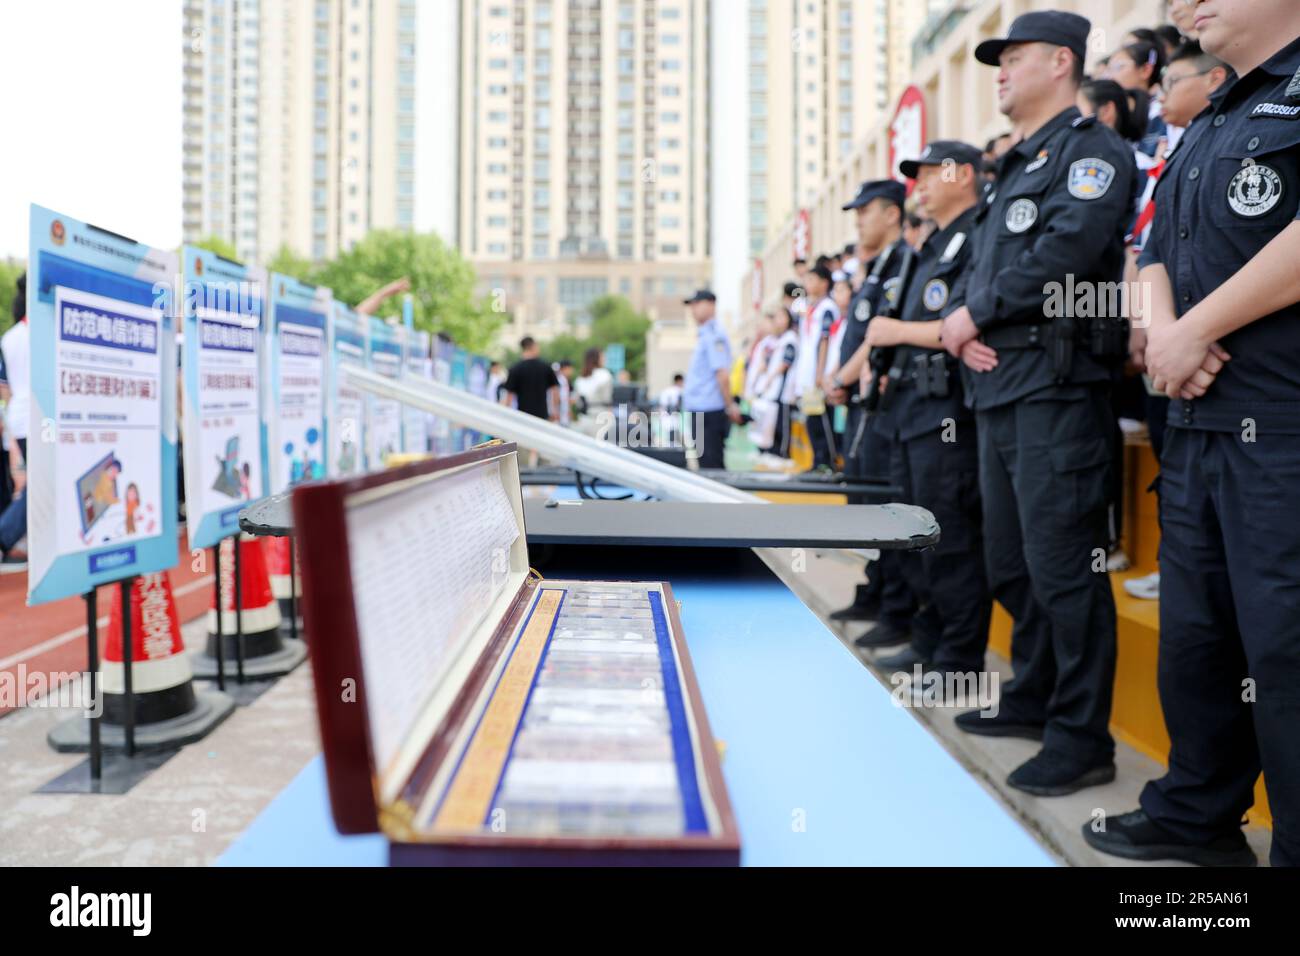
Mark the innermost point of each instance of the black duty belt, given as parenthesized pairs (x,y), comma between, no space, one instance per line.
(1034,336)
(926,370)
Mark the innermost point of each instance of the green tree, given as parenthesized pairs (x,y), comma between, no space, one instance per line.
(289,263)
(218,245)
(565,346)
(10,270)
(615,322)
(442,284)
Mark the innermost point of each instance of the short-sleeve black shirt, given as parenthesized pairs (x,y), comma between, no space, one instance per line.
(1231,186)
(528,381)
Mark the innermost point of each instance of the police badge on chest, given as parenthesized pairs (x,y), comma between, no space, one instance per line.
(1255,190)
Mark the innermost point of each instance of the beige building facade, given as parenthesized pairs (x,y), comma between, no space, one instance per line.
(822,75)
(299,122)
(584,151)
(960,103)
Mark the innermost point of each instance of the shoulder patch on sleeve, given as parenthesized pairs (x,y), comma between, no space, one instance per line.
(1090,178)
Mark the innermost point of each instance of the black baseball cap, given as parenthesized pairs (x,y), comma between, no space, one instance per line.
(1042,26)
(943,151)
(701,295)
(890,189)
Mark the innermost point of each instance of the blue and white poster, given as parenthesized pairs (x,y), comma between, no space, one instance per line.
(102,490)
(347,402)
(416,422)
(461,437)
(223,304)
(477,384)
(384,423)
(442,436)
(299,328)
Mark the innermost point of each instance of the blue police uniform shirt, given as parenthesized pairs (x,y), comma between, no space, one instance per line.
(712,354)
(1231,186)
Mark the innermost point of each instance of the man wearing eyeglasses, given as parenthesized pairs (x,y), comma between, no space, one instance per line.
(1224,345)
(1191,76)
(1182,14)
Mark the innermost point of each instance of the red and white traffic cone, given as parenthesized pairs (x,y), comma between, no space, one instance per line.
(168,711)
(266,653)
(285,581)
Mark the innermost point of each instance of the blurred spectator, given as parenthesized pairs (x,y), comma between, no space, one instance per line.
(496,379)
(670,399)
(532,383)
(564,372)
(595,386)
(16,350)
(1138,66)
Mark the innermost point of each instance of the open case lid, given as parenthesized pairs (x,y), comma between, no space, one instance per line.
(376,558)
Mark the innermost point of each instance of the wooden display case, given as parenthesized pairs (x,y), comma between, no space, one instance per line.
(477,714)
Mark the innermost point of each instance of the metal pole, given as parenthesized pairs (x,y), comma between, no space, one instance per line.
(128,722)
(221,638)
(566,446)
(92,639)
(293,589)
(239,612)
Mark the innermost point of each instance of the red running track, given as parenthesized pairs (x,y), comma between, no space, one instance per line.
(51,638)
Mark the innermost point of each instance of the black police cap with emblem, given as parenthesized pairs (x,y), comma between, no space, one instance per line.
(1042,26)
(943,151)
(890,189)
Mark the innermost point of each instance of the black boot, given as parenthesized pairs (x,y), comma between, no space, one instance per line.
(904,660)
(1135,836)
(883,635)
(1000,725)
(865,607)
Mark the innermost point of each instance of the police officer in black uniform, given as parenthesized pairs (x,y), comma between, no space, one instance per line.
(1224,344)
(1054,224)
(923,414)
(878,208)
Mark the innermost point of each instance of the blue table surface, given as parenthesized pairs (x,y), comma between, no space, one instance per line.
(821,766)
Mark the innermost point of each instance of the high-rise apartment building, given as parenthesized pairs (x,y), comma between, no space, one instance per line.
(584,154)
(822,74)
(299,122)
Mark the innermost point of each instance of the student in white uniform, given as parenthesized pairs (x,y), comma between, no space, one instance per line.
(759,357)
(777,383)
(814,338)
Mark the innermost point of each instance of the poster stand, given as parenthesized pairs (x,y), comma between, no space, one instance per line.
(293,590)
(125,771)
(239,612)
(217,598)
(92,639)
(128,720)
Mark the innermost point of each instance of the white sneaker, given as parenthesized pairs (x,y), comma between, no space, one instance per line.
(1117,560)
(1146,588)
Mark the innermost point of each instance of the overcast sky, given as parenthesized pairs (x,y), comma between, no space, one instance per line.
(92,116)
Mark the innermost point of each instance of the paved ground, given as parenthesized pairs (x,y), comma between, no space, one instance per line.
(184,813)
(190,809)
(827,583)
